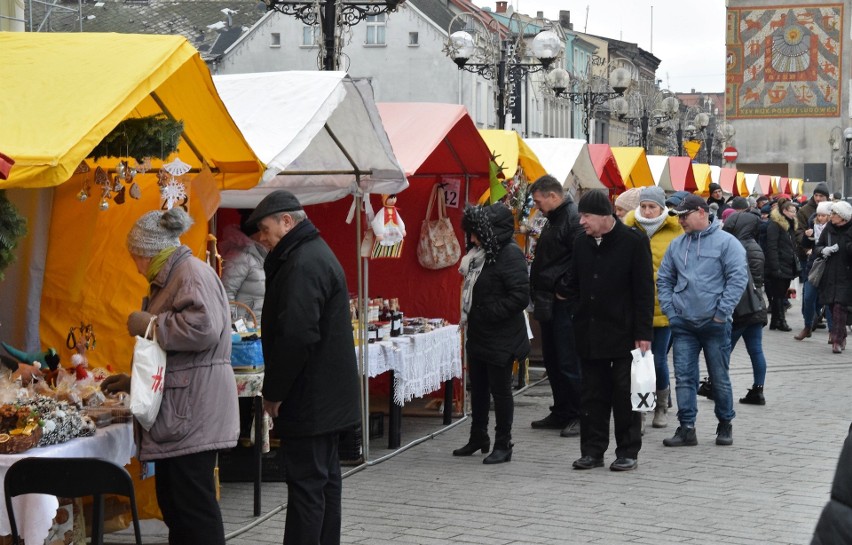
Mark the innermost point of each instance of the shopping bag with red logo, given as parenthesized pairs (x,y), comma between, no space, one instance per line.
(147,377)
(643,382)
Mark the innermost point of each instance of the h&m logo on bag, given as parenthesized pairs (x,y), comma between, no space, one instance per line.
(157,385)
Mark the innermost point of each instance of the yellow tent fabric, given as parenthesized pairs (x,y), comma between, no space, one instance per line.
(511,152)
(634,168)
(61,94)
(702,177)
(741,186)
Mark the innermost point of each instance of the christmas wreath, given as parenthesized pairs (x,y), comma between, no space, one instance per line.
(13,227)
(141,137)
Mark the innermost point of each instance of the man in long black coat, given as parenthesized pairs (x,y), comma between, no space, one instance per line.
(311,377)
(611,290)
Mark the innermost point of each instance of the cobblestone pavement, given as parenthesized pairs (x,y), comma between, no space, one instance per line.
(769,487)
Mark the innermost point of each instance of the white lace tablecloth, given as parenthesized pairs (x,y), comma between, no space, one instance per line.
(35,512)
(421,363)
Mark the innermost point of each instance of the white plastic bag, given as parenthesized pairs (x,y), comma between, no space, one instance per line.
(147,378)
(643,382)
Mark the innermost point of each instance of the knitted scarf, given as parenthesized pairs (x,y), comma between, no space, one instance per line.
(650,225)
(157,263)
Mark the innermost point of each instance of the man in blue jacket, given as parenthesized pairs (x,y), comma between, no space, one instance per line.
(699,283)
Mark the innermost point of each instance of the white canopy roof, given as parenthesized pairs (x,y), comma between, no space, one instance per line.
(660,172)
(314,131)
(567,160)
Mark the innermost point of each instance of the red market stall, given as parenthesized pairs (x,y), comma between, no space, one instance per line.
(606,167)
(728,180)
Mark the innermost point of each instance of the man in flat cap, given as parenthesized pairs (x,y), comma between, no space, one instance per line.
(611,293)
(699,283)
(311,382)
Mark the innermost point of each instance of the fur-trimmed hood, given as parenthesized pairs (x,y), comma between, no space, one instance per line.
(782,220)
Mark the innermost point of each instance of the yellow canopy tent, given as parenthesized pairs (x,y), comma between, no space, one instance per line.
(60,95)
(634,167)
(702,177)
(511,152)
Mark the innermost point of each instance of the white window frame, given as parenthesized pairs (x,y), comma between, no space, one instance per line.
(312,31)
(376,26)
(416,39)
(275,39)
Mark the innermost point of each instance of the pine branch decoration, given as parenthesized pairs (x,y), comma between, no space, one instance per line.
(152,136)
(13,227)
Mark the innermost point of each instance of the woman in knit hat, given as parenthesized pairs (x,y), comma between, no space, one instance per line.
(652,218)
(627,201)
(814,228)
(835,287)
(494,296)
(198,416)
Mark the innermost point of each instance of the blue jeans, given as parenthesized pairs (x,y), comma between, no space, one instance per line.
(810,303)
(753,337)
(660,348)
(689,339)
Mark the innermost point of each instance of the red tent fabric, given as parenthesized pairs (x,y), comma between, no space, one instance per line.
(6,163)
(434,143)
(784,185)
(728,180)
(680,170)
(606,167)
(764,181)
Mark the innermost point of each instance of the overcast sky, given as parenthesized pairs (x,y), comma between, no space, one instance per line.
(688,37)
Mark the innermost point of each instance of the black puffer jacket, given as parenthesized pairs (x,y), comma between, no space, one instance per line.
(554,250)
(780,250)
(836,283)
(745,226)
(496,329)
(835,522)
(308,346)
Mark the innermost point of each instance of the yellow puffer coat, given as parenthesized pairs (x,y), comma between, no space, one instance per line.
(668,231)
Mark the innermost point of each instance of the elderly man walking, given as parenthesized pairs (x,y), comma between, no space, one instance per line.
(611,292)
(699,283)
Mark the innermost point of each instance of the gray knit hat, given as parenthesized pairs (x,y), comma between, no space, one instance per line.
(653,194)
(156,230)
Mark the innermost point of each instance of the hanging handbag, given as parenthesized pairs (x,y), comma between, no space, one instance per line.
(147,377)
(817,270)
(246,348)
(438,246)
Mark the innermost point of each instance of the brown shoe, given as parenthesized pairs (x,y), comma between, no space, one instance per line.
(804,334)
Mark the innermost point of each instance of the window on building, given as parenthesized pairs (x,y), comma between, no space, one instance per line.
(309,35)
(275,40)
(376,29)
(413,39)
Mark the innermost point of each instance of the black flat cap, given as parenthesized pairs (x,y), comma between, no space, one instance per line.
(274,203)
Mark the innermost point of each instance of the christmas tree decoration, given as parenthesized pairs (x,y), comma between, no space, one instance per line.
(172,189)
(13,227)
(141,138)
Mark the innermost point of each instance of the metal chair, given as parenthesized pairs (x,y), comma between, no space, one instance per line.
(70,478)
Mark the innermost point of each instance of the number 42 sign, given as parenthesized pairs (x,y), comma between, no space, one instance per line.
(452,188)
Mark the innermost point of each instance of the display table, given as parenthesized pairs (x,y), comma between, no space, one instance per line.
(419,364)
(35,512)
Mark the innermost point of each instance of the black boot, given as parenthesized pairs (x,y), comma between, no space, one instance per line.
(780,315)
(754,396)
(479,440)
(502,452)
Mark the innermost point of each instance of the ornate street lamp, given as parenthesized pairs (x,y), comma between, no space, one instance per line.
(847,161)
(334,18)
(644,107)
(592,90)
(486,48)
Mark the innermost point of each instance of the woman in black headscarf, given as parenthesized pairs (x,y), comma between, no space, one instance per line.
(494,296)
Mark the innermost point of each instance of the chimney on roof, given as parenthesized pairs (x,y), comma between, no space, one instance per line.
(565,19)
(539,15)
(501,6)
(693,90)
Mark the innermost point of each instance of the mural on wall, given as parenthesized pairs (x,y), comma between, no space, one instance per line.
(783,61)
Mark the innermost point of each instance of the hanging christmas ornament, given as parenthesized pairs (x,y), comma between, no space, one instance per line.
(177,167)
(135,192)
(83,168)
(143,166)
(172,190)
(119,196)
